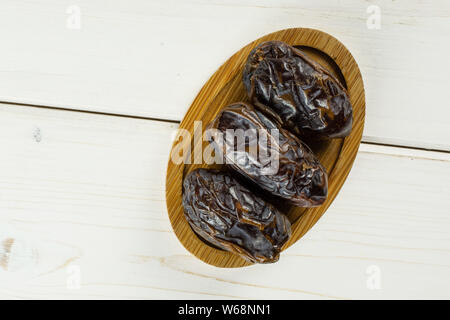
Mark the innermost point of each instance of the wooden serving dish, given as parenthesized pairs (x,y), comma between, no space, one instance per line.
(225,87)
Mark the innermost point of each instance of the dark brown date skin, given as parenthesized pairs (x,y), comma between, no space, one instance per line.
(301,94)
(300,178)
(225,213)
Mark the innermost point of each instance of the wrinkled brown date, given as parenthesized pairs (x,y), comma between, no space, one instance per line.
(228,215)
(286,168)
(301,94)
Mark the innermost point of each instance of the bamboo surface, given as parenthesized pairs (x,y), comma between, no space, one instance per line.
(226,87)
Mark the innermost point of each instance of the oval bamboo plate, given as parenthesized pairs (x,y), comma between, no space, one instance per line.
(226,87)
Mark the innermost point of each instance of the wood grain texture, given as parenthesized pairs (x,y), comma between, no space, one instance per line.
(90,194)
(150,58)
(87,191)
(225,87)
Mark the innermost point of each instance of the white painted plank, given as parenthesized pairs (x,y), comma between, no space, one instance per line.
(86,192)
(152,57)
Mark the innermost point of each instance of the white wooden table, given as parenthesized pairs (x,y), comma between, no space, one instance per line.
(91,92)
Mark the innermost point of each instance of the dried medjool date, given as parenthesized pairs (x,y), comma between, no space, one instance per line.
(226,214)
(301,94)
(283,165)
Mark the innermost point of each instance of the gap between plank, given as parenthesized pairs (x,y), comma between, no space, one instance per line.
(87,111)
(403,147)
(177,122)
